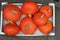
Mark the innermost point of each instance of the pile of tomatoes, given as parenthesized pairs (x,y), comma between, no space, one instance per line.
(36,18)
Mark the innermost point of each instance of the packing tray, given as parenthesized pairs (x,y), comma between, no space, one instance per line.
(37,33)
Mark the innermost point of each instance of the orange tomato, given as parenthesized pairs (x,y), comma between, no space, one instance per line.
(11,29)
(12,13)
(47,28)
(29,8)
(47,10)
(27,26)
(40,19)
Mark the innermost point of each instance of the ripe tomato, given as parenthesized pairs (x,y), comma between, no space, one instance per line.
(47,10)
(27,26)
(11,13)
(40,19)
(47,28)
(29,8)
(11,29)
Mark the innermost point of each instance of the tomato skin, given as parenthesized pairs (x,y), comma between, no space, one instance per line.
(11,29)
(47,10)
(38,20)
(29,8)
(12,13)
(47,28)
(27,26)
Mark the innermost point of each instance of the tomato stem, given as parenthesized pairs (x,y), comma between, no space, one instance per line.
(49,10)
(10,21)
(29,15)
(14,11)
(42,15)
(27,27)
(46,24)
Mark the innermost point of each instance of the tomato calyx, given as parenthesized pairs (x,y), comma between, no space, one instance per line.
(29,15)
(14,11)
(10,21)
(49,10)
(27,26)
(47,24)
(42,16)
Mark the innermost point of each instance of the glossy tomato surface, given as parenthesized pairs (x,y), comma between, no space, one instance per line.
(27,26)
(40,19)
(12,13)
(29,8)
(11,29)
(47,28)
(47,10)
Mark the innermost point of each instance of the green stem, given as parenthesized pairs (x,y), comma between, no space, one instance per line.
(27,26)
